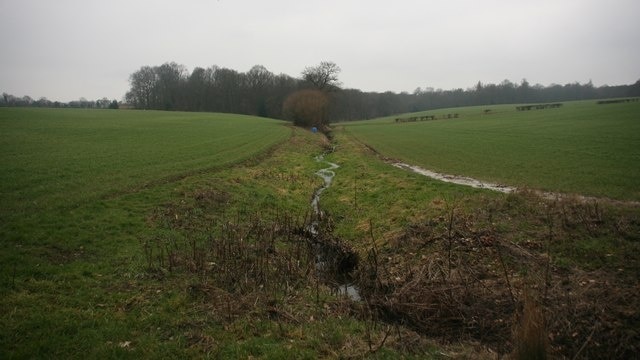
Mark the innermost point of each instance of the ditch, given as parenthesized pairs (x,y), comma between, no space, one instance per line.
(344,261)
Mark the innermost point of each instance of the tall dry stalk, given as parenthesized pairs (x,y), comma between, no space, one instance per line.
(530,335)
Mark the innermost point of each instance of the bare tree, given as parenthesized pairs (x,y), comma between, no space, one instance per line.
(143,83)
(259,82)
(259,77)
(171,77)
(324,76)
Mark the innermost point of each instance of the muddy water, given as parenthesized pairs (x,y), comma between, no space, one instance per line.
(466,181)
(460,180)
(345,287)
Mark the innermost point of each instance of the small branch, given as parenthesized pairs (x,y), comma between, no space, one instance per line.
(386,335)
(584,345)
(506,275)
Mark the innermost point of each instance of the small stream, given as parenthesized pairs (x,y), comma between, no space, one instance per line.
(327,174)
(330,253)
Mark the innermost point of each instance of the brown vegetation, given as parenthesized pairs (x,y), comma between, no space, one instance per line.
(307,108)
(460,277)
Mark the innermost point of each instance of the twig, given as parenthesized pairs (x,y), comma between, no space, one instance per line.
(452,212)
(386,335)
(13,280)
(584,345)
(506,274)
(547,275)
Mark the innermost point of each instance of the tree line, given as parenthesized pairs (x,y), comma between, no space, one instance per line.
(28,101)
(351,104)
(313,98)
(260,92)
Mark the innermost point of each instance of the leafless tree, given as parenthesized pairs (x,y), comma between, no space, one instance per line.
(143,83)
(324,76)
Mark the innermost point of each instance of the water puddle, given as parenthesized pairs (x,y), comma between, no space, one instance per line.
(351,291)
(454,179)
(466,181)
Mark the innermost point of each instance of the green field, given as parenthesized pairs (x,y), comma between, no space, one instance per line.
(62,157)
(580,148)
(147,234)
(77,188)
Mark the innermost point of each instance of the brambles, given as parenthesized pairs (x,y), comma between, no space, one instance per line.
(240,255)
(457,277)
(266,255)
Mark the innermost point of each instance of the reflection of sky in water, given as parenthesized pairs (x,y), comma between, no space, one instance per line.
(349,290)
(327,175)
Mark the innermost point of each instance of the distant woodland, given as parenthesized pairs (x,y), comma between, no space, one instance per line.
(263,93)
(260,92)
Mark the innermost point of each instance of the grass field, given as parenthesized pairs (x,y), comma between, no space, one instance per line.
(62,157)
(139,234)
(580,148)
(77,187)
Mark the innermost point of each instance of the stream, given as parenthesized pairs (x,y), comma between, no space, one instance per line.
(325,251)
(327,174)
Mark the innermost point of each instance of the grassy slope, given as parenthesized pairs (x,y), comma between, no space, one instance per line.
(368,192)
(75,281)
(56,157)
(580,148)
(77,189)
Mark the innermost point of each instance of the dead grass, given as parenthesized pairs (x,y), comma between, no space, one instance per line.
(530,335)
(456,277)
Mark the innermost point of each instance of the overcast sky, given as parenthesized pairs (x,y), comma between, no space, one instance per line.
(67,49)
